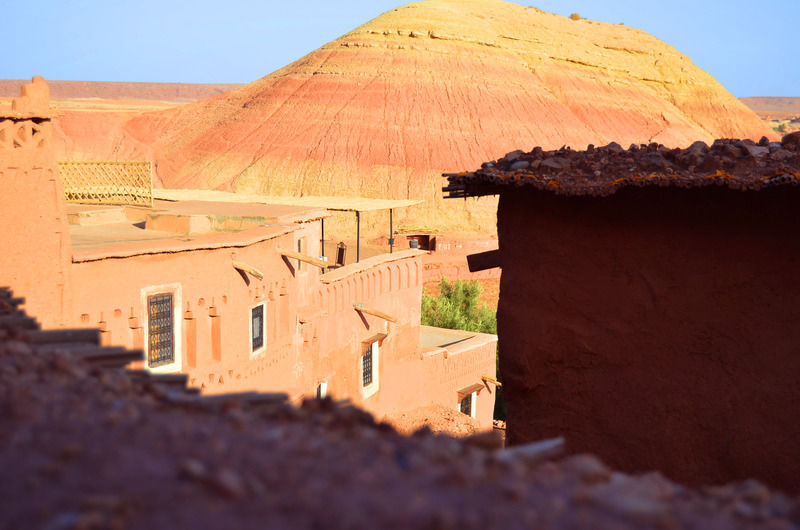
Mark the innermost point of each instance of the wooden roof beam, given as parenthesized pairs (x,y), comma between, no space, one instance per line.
(374,312)
(483,260)
(304,258)
(492,380)
(244,267)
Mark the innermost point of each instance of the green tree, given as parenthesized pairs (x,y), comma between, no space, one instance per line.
(458,306)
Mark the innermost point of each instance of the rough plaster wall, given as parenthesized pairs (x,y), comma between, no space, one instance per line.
(35,248)
(656,328)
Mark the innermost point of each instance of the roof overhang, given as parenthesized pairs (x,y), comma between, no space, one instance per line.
(340,204)
(467,390)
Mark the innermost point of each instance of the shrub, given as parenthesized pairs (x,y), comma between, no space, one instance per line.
(575,16)
(458,307)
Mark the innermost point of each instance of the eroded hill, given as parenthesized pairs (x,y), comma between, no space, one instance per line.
(436,86)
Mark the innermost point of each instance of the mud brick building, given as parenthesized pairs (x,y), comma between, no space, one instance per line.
(649,303)
(234,295)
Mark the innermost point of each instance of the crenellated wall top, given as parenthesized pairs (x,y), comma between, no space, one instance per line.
(368,264)
(27,126)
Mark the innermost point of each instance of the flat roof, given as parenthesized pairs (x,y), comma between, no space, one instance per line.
(342,204)
(99,232)
(282,213)
(434,340)
(91,244)
(271,212)
(431,337)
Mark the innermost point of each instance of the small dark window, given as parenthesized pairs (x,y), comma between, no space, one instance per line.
(341,254)
(366,365)
(466,405)
(423,241)
(257,326)
(301,243)
(160,330)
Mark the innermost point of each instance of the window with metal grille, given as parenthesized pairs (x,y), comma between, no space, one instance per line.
(366,367)
(466,405)
(160,330)
(257,326)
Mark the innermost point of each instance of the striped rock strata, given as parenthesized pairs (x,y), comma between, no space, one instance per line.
(435,86)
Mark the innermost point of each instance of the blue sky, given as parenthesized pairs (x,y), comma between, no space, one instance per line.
(750,47)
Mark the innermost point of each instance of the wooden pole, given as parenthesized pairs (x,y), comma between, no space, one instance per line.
(244,267)
(374,312)
(302,257)
(358,236)
(492,380)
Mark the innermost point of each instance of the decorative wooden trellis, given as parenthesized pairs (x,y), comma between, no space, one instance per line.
(99,182)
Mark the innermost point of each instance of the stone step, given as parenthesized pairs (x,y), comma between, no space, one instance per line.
(103,356)
(51,336)
(111,357)
(219,401)
(18,321)
(172,380)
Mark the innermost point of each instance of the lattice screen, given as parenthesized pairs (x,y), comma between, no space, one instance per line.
(108,182)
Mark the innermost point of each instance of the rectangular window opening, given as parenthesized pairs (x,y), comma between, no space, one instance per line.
(367,367)
(423,241)
(465,406)
(161,343)
(257,327)
(301,248)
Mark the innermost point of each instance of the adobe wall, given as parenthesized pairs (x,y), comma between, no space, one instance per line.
(657,328)
(215,302)
(394,288)
(35,247)
(445,374)
(313,334)
(409,378)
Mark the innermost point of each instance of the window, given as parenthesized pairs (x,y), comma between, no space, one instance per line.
(161,340)
(423,241)
(465,405)
(369,365)
(257,328)
(366,367)
(468,399)
(163,328)
(301,248)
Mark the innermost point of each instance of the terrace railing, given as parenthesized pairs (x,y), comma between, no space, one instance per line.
(99,182)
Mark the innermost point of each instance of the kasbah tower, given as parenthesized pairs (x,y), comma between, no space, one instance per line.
(35,250)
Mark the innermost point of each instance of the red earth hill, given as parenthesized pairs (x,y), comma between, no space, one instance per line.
(438,86)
